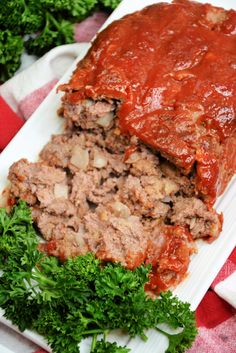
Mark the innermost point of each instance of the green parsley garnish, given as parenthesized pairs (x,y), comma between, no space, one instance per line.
(39,25)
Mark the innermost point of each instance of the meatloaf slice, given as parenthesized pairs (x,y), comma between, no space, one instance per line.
(116,236)
(90,114)
(169,253)
(37,183)
(175,89)
(88,188)
(64,236)
(192,212)
(84,151)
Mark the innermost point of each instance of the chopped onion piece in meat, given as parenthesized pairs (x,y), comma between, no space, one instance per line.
(80,157)
(80,237)
(192,222)
(99,160)
(170,187)
(120,209)
(105,120)
(134,157)
(61,190)
(133,219)
(167,199)
(88,103)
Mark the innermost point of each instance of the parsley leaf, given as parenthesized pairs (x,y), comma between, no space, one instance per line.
(38,26)
(108,347)
(11,48)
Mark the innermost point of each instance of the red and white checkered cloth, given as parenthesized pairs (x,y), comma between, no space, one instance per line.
(20,96)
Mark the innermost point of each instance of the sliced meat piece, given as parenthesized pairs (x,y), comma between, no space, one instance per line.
(83,151)
(106,191)
(202,221)
(115,141)
(62,207)
(35,182)
(186,184)
(69,151)
(64,234)
(108,162)
(91,187)
(142,161)
(71,245)
(55,226)
(90,114)
(82,185)
(116,237)
(58,151)
(169,253)
(144,195)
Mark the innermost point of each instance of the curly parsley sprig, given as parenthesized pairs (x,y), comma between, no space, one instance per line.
(38,26)
(67,302)
(11,48)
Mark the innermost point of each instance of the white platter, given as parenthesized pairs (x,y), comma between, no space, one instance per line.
(204,265)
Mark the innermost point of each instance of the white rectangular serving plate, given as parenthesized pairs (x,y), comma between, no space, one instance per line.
(204,265)
(4,349)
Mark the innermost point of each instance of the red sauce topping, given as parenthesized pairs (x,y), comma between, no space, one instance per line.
(11,202)
(173,66)
(169,262)
(129,151)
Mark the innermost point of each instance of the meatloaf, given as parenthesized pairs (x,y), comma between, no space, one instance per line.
(168,72)
(148,144)
(95,191)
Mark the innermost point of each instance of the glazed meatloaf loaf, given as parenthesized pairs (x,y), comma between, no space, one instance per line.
(168,73)
(149,143)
